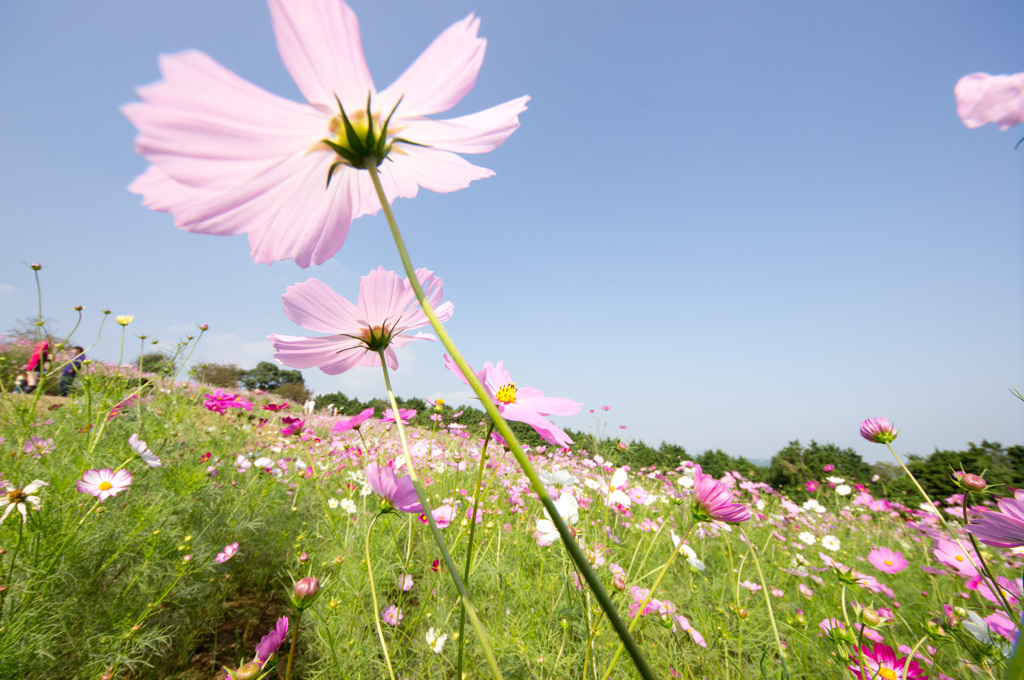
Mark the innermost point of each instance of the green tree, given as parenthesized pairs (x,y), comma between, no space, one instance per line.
(794,465)
(268,377)
(935,472)
(156,362)
(219,375)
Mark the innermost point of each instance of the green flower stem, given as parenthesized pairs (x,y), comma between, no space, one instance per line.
(469,547)
(751,548)
(676,549)
(927,498)
(1015,671)
(189,355)
(524,463)
(435,532)
(373,594)
(295,635)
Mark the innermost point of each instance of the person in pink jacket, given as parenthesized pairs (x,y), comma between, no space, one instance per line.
(37,363)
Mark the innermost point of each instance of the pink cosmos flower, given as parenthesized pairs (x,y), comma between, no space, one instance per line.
(524,404)
(712,500)
(880,661)
(229,158)
(275,407)
(878,430)
(387,309)
(405,414)
(951,555)
(884,559)
(982,98)
(684,624)
(392,615)
(272,641)
(229,551)
(443,516)
(354,422)
(104,483)
(398,493)
(405,582)
(291,426)
(1002,529)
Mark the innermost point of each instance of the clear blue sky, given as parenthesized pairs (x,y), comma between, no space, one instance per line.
(738,223)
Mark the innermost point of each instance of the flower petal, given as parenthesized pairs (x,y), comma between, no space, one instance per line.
(313,305)
(332,355)
(322,49)
(476,133)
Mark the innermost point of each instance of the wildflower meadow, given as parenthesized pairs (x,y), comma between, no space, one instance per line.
(157,524)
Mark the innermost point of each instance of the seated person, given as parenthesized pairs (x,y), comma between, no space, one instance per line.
(70,370)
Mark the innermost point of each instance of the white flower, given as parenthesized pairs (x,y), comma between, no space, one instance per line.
(16,498)
(348,506)
(835,480)
(612,492)
(843,490)
(557,477)
(332,503)
(830,542)
(812,505)
(691,555)
(685,482)
(928,507)
(568,508)
(140,447)
(263,463)
(435,641)
(807,537)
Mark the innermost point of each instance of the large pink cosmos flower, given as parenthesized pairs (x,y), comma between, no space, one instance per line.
(398,493)
(229,158)
(950,554)
(524,404)
(878,430)
(387,309)
(272,641)
(884,559)
(881,661)
(981,99)
(1003,529)
(712,500)
(104,483)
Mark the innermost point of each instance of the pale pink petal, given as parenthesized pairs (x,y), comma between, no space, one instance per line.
(535,400)
(436,170)
(476,133)
(982,98)
(313,305)
(206,127)
(381,298)
(442,75)
(544,427)
(330,354)
(322,49)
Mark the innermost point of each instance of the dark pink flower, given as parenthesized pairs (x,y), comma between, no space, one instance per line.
(354,422)
(884,559)
(524,404)
(712,500)
(982,98)
(878,430)
(1002,529)
(291,426)
(272,641)
(229,158)
(881,661)
(397,493)
(380,321)
(405,414)
(275,407)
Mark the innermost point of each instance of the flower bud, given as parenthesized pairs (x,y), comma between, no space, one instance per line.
(973,482)
(204,326)
(305,591)
(304,557)
(870,617)
(249,671)
(36,266)
(620,584)
(78,308)
(742,612)
(935,630)
(106,311)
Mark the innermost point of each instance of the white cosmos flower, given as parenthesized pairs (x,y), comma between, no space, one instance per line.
(831,543)
(435,641)
(807,537)
(332,503)
(348,506)
(568,508)
(612,492)
(17,498)
(263,463)
(843,490)
(557,477)
(835,480)
(140,447)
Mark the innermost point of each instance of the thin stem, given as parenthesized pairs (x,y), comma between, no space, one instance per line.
(517,450)
(373,594)
(469,547)
(445,555)
(291,650)
(768,603)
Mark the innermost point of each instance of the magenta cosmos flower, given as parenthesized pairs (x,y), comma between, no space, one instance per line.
(712,500)
(396,493)
(981,99)
(381,320)
(884,559)
(353,423)
(878,430)
(272,641)
(881,662)
(104,483)
(523,404)
(229,158)
(1003,529)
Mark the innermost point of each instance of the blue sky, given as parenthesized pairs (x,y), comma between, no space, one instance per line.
(737,223)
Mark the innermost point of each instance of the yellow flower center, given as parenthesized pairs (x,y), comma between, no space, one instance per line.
(506,394)
(377,338)
(105,485)
(888,563)
(360,125)
(887,674)
(16,496)
(959,558)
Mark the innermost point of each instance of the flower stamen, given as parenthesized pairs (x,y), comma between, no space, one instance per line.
(506,394)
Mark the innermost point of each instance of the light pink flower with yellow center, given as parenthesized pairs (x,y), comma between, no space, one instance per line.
(229,158)
(104,483)
(524,404)
(381,320)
